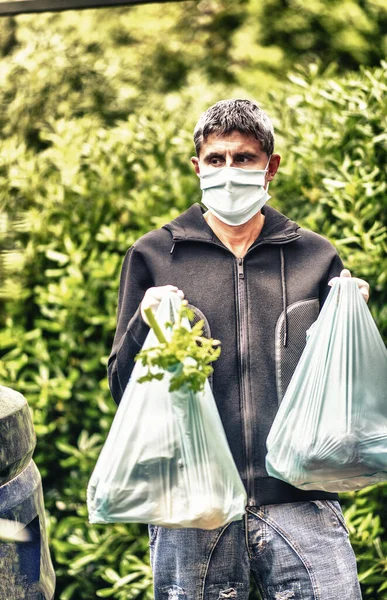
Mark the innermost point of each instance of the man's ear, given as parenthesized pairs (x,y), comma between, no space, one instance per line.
(195,162)
(274,163)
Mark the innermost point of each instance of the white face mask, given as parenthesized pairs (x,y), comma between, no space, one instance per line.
(234,195)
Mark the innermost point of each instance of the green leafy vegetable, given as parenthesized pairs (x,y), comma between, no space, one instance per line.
(187,355)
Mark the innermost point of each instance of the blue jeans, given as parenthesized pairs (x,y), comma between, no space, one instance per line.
(295,551)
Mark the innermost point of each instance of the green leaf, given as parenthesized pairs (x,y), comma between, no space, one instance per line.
(106,593)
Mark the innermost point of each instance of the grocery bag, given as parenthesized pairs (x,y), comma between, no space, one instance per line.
(330,432)
(166,459)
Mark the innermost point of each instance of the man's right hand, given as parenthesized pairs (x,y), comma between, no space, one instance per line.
(153,295)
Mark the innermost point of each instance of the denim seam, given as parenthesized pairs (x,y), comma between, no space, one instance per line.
(263,536)
(247,536)
(294,547)
(152,538)
(339,517)
(207,563)
(260,586)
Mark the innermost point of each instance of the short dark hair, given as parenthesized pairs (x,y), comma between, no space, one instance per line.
(240,115)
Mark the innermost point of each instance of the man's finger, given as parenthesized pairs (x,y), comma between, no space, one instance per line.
(364,288)
(345,273)
(169,288)
(160,291)
(361,284)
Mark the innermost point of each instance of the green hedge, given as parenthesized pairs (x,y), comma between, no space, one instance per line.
(90,197)
(89,169)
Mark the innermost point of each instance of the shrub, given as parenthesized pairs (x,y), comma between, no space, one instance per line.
(90,171)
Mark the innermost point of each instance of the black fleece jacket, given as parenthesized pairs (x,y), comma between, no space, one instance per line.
(259,307)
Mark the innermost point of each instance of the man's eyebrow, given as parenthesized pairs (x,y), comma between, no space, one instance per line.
(208,157)
(212,155)
(246,154)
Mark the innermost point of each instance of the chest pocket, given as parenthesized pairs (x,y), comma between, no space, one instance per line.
(301,315)
(199,315)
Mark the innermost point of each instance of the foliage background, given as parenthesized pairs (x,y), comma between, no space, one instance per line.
(96,114)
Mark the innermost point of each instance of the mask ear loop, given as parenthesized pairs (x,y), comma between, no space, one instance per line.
(266,168)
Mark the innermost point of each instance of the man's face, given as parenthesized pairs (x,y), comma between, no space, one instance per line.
(234,150)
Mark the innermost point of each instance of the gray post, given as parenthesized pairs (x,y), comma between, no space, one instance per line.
(26,569)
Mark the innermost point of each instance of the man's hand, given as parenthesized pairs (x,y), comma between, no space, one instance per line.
(361,284)
(153,295)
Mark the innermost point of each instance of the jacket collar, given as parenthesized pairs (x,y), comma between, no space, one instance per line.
(192,226)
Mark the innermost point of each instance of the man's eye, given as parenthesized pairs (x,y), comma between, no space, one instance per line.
(243,159)
(216,161)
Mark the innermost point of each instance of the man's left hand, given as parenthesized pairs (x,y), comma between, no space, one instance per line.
(361,284)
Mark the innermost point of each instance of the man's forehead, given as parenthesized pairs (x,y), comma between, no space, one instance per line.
(234,141)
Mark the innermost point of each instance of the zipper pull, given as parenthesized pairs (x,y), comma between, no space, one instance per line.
(241,273)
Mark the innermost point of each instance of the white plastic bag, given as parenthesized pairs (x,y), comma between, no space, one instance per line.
(330,432)
(166,460)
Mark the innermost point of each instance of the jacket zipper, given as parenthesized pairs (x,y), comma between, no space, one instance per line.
(243,350)
(244,383)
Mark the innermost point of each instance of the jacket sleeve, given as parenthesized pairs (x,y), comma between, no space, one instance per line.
(334,270)
(131,328)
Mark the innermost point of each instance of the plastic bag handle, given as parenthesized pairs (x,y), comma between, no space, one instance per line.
(174,302)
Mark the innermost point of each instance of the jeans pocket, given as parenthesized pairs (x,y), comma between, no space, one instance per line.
(152,530)
(335,507)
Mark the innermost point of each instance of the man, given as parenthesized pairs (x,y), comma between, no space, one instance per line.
(259,281)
